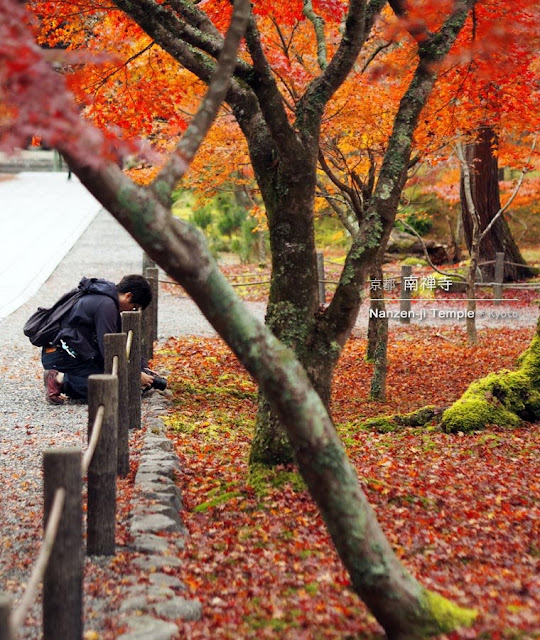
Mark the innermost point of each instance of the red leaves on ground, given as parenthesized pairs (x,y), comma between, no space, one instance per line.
(459,511)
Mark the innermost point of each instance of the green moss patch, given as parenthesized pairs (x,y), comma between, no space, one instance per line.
(261,478)
(447,616)
(217,500)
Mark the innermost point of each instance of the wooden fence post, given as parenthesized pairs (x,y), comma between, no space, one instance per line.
(149,316)
(320,273)
(152,273)
(62,582)
(115,345)
(131,321)
(499,277)
(5,613)
(147,263)
(101,517)
(405,302)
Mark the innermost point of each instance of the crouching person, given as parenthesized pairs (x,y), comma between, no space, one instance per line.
(77,350)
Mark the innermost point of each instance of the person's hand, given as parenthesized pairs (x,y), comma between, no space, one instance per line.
(146,380)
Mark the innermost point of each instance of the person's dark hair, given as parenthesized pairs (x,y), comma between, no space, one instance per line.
(140,290)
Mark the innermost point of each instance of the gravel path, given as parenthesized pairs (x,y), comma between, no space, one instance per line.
(29,425)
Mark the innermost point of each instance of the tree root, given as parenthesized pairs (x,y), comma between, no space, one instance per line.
(420,418)
(505,399)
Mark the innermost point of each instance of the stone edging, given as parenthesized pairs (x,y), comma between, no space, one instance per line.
(156,503)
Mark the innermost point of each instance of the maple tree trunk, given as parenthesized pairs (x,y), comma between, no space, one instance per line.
(403,607)
(288,190)
(485,192)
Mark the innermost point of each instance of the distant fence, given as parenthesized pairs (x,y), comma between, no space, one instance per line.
(114,407)
(405,277)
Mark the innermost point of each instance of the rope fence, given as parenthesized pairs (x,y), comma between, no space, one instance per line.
(96,432)
(404,275)
(38,572)
(114,407)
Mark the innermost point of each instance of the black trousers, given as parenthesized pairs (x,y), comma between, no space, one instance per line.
(75,371)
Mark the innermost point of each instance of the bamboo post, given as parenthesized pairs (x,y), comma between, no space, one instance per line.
(101,517)
(62,582)
(131,321)
(320,273)
(405,302)
(5,614)
(115,346)
(499,277)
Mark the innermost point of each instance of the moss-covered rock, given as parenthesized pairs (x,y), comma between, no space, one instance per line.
(504,399)
(415,262)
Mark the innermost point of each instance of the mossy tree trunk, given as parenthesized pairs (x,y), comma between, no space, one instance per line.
(288,191)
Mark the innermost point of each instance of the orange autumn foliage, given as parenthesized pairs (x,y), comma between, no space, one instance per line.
(131,86)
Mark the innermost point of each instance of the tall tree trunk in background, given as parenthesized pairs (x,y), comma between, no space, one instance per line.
(485,192)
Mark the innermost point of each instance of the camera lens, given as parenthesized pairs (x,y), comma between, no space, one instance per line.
(159,383)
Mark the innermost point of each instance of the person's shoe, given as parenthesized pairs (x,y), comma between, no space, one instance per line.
(53,388)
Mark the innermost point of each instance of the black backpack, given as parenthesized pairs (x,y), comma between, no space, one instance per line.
(43,326)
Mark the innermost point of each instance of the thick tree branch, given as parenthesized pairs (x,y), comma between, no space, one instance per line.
(190,142)
(195,17)
(360,19)
(318,27)
(172,35)
(270,99)
(200,32)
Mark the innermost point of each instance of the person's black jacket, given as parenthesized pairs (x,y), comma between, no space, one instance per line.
(93,315)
